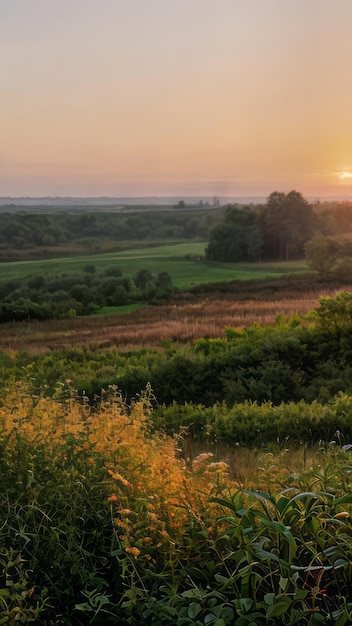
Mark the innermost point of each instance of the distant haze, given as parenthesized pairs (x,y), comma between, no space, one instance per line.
(107,201)
(120,203)
(194,98)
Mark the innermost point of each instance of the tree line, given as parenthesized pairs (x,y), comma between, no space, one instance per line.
(278,229)
(22,230)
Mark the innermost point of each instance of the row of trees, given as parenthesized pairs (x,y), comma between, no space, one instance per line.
(277,230)
(24,230)
(287,226)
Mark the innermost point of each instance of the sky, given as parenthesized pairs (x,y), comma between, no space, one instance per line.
(175,97)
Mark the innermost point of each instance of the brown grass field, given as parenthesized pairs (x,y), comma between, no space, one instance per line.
(182,322)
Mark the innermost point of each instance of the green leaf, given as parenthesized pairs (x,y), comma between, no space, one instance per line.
(340,563)
(221,579)
(320,619)
(226,503)
(269,598)
(84,606)
(314,525)
(344,619)
(230,520)
(210,565)
(280,606)
(242,621)
(193,593)
(194,609)
(282,503)
(246,604)
(346,499)
(280,528)
(310,568)
(227,613)
(264,554)
(118,552)
(300,594)
(241,512)
(262,496)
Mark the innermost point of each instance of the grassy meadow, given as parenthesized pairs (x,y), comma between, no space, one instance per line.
(171,258)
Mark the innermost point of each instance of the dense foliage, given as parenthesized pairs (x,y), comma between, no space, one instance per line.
(285,227)
(290,361)
(82,293)
(106,514)
(236,238)
(246,377)
(276,230)
(102,521)
(327,255)
(23,229)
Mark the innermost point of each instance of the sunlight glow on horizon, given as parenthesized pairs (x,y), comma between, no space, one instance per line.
(155,98)
(345,175)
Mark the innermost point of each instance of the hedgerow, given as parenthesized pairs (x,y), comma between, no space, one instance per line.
(253,424)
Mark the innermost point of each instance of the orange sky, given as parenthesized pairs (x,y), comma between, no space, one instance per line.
(194,97)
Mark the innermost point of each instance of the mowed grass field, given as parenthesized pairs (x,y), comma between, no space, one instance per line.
(183,261)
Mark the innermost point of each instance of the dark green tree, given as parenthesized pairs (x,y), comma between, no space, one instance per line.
(286,222)
(236,237)
(321,254)
(164,285)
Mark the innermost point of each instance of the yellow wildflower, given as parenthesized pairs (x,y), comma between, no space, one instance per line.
(135,552)
(119,522)
(147,540)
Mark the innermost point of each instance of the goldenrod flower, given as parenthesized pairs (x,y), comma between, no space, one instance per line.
(135,552)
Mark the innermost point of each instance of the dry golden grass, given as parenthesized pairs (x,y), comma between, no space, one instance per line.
(259,466)
(182,322)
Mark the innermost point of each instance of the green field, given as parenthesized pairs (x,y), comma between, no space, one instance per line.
(123,308)
(184,271)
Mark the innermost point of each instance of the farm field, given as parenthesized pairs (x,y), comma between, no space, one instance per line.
(183,271)
(150,326)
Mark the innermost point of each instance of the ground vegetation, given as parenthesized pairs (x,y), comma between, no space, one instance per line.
(201,478)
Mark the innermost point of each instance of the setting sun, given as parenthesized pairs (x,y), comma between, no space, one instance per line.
(345,175)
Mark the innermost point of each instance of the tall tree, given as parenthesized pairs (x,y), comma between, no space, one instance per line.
(287,221)
(236,237)
(321,255)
